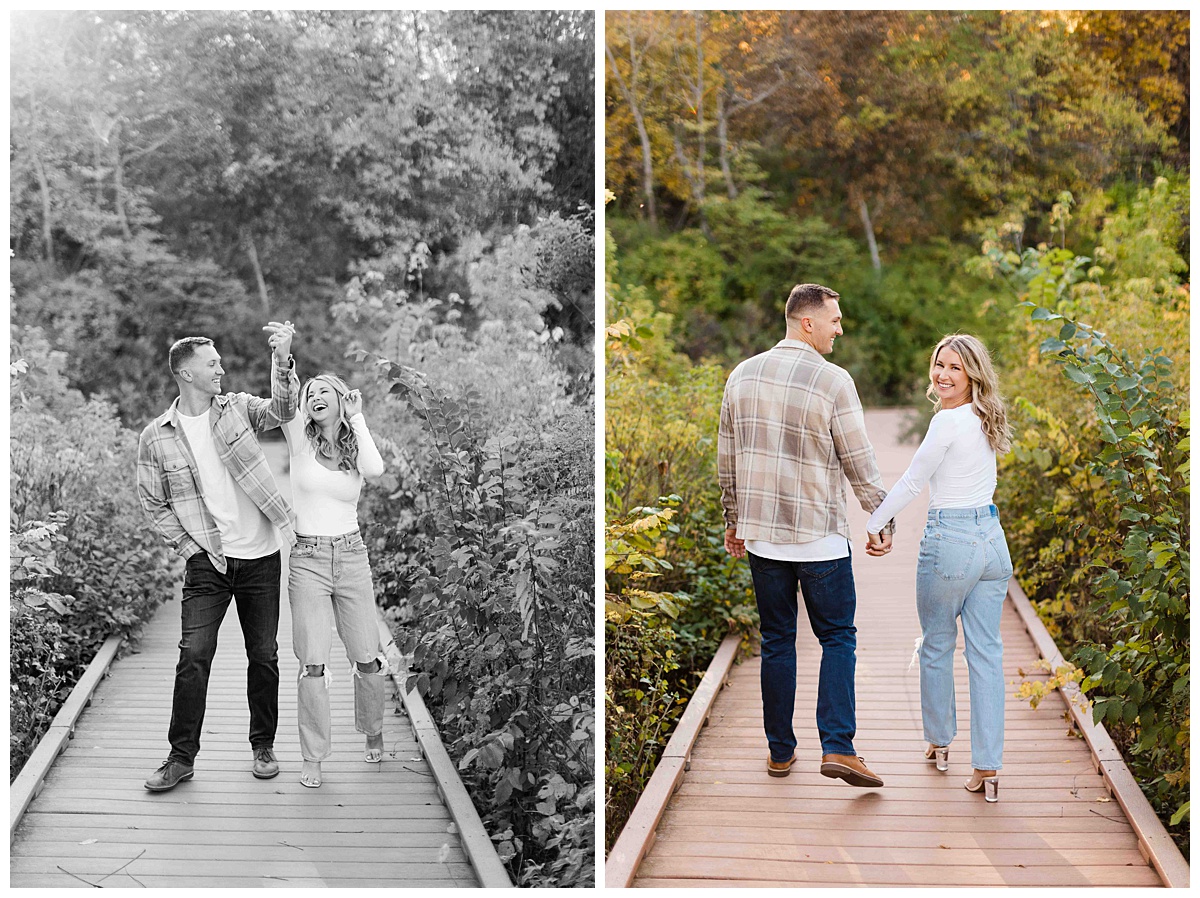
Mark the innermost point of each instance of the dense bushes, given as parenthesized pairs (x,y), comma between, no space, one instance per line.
(85,563)
(671,592)
(488,571)
(1096,489)
(482,533)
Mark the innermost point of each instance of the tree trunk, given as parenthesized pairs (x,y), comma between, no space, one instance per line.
(252,252)
(643,134)
(723,146)
(119,187)
(866,220)
(47,221)
(698,185)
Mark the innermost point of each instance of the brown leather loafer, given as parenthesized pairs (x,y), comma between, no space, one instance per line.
(850,769)
(780,768)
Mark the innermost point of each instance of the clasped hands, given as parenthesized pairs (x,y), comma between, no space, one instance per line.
(280,340)
(879,544)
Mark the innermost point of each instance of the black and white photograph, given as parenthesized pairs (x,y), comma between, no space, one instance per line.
(302,449)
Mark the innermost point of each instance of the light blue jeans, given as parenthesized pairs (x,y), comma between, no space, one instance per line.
(329,583)
(962,571)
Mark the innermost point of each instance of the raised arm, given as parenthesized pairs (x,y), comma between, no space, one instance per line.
(854,450)
(266,414)
(370,462)
(153,498)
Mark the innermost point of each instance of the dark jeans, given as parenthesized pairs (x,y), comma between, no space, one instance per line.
(828,590)
(254,583)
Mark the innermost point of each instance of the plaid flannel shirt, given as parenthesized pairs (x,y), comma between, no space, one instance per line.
(168,484)
(791,424)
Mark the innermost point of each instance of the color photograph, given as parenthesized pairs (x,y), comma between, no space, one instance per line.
(897,445)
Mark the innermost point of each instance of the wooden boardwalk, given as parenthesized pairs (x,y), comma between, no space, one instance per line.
(731,825)
(368,825)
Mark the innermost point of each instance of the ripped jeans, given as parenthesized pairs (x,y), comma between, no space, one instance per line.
(329,583)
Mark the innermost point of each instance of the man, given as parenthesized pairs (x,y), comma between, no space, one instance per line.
(791,425)
(205,483)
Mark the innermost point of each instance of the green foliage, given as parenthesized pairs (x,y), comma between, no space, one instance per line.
(83,563)
(1138,679)
(671,591)
(1097,489)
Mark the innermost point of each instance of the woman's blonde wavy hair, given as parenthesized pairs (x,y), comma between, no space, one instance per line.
(344,446)
(985,387)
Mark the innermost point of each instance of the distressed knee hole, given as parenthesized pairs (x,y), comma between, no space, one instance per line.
(314,670)
(369,667)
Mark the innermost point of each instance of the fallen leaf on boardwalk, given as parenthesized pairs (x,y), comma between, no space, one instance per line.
(1103,799)
(452,828)
(89,841)
(947,847)
(444,854)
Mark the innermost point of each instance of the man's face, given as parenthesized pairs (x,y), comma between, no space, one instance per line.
(826,326)
(203,370)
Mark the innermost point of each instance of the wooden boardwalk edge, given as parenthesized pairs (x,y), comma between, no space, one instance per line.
(28,782)
(475,840)
(1153,839)
(637,835)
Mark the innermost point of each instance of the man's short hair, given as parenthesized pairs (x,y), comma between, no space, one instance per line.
(806,299)
(182,350)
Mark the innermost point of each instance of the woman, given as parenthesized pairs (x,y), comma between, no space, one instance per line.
(963,566)
(329,578)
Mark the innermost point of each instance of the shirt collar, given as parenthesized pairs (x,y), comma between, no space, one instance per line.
(796,344)
(169,416)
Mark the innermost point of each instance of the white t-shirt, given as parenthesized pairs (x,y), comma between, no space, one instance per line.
(245,531)
(957,462)
(326,502)
(826,549)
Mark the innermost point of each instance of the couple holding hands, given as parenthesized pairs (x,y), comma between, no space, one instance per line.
(791,426)
(205,483)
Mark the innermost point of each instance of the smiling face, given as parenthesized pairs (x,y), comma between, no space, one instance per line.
(203,371)
(826,326)
(950,380)
(322,402)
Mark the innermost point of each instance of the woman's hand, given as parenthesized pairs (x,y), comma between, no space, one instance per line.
(280,340)
(878,544)
(353,403)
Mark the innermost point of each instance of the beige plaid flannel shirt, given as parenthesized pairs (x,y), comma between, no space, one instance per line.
(168,484)
(791,424)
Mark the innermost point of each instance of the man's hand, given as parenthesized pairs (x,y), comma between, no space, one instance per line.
(280,340)
(734,546)
(879,544)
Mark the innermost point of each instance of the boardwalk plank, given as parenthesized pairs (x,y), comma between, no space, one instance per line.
(730,825)
(368,826)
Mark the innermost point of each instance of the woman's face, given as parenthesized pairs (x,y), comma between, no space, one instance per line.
(322,402)
(950,379)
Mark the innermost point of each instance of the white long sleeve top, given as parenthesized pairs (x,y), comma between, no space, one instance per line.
(325,501)
(955,459)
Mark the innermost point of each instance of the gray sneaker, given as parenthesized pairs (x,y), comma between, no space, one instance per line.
(169,775)
(265,765)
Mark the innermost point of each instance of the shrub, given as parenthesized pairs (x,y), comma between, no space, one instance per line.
(1095,489)
(73,464)
(488,567)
